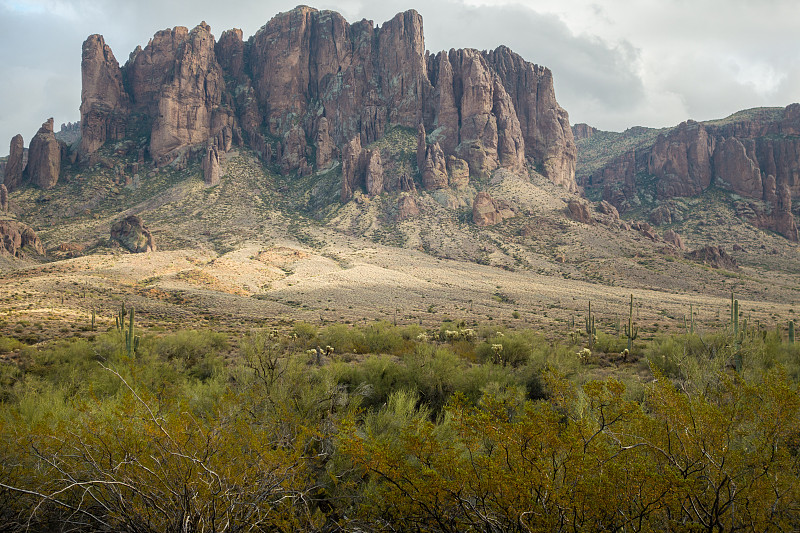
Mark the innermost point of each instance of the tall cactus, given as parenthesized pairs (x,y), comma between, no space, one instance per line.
(589,326)
(631,331)
(93,319)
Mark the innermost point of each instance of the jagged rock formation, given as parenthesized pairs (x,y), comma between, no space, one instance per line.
(15,164)
(434,168)
(457,172)
(373,175)
(754,156)
(44,158)
(16,236)
(406,207)
(308,82)
(3,198)
(487,211)
(104,102)
(133,235)
(673,238)
(211,166)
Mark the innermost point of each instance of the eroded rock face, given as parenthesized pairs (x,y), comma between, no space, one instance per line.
(753,157)
(578,210)
(16,236)
(373,178)
(458,172)
(406,207)
(714,256)
(44,158)
(314,71)
(673,238)
(3,198)
(133,235)
(351,167)
(211,170)
(486,211)
(434,168)
(15,164)
(104,102)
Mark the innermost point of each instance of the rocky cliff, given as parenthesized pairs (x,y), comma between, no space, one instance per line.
(308,83)
(755,154)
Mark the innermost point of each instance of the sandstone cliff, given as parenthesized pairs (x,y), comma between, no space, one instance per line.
(754,154)
(44,158)
(308,82)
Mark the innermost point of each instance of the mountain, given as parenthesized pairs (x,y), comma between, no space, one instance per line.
(753,154)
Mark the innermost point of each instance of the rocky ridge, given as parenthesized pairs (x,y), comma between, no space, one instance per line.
(308,83)
(756,156)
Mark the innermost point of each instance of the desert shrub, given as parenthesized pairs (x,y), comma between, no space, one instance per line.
(305,332)
(516,348)
(196,352)
(382,337)
(610,343)
(344,339)
(8,344)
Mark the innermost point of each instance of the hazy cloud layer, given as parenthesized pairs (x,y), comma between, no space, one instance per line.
(616,63)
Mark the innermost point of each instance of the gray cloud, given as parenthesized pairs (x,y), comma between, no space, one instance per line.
(615,64)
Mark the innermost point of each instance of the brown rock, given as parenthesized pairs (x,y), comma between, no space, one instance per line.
(608,209)
(671,237)
(458,172)
(16,236)
(406,207)
(422,148)
(486,211)
(544,125)
(104,102)
(3,198)
(583,131)
(294,151)
(133,235)
(211,171)
(736,168)
(373,177)
(714,256)
(434,170)
(351,167)
(446,111)
(189,102)
(682,161)
(406,183)
(44,158)
(15,164)
(578,210)
(324,144)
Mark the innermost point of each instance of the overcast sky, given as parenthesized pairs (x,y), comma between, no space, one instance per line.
(616,63)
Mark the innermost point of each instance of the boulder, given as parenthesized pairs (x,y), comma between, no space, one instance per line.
(578,210)
(15,163)
(133,235)
(44,158)
(661,215)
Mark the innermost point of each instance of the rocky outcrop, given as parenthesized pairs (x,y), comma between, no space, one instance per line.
(105,104)
(714,256)
(406,207)
(753,156)
(44,158)
(578,210)
(323,144)
(544,124)
(457,172)
(3,198)
(15,164)
(434,168)
(486,211)
(373,173)
(133,235)
(352,167)
(16,237)
(673,238)
(310,74)
(583,131)
(211,171)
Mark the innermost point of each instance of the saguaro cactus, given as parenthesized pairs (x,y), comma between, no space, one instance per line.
(589,326)
(631,331)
